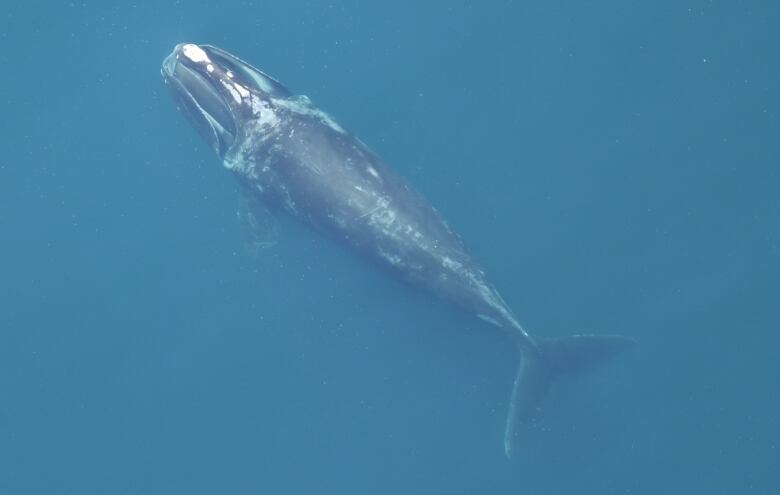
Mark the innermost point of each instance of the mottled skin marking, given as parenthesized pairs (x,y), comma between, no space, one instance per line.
(322,175)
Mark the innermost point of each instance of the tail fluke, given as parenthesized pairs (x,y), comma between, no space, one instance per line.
(539,370)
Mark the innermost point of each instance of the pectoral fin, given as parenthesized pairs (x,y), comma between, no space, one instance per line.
(259,227)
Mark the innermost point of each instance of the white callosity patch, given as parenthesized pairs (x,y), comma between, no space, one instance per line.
(236,90)
(242,90)
(232,89)
(195,53)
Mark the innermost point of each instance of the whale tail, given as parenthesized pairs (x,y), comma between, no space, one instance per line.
(539,370)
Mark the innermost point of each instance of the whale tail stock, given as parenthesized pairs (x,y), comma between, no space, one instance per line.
(541,367)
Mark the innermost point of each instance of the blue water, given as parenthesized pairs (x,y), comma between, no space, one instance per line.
(615,165)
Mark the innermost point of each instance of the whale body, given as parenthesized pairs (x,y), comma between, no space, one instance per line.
(289,156)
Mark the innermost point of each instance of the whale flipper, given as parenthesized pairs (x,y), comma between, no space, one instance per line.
(259,227)
(539,370)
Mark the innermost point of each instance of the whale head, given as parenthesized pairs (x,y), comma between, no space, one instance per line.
(220,94)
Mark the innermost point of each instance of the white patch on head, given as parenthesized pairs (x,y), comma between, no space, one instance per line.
(232,89)
(242,90)
(195,53)
(210,68)
(236,90)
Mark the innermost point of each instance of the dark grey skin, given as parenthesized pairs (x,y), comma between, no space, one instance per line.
(290,156)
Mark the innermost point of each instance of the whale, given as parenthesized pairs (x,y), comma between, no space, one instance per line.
(291,158)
